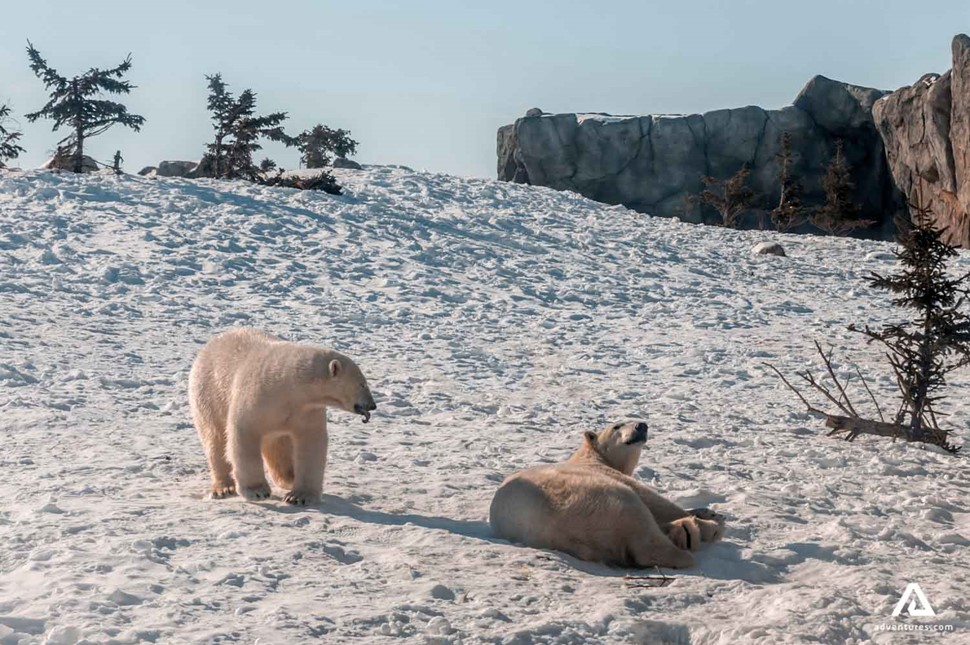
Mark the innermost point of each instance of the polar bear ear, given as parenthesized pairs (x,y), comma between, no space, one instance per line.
(336,367)
(590,437)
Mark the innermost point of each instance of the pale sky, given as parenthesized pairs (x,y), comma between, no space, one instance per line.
(427,83)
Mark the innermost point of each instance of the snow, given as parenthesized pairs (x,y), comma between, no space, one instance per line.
(495,323)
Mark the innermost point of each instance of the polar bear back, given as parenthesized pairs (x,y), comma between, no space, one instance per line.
(252,369)
(575,508)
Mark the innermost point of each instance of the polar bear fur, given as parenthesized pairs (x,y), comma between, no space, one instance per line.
(256,398)
(591,507)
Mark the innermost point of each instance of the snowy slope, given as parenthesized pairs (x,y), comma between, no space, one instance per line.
(495,323)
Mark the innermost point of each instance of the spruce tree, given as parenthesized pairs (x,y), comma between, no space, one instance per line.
(789,213)
(936,341)
(220,104)
(839,214)
(239,130)
(78,104)
(317,144)
(729,197)
(9,148)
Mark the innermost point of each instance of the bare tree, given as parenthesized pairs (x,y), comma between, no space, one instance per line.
(729,197)
(789,212)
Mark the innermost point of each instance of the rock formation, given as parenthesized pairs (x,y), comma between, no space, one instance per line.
(653,163)
(926,129)
(170,169)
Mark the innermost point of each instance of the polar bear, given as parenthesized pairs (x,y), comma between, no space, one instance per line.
(250,392)
(591,507)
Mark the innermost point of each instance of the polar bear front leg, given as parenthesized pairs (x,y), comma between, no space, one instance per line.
(309,460)
(247,462)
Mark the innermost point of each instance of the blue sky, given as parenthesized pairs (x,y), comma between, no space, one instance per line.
(426,83)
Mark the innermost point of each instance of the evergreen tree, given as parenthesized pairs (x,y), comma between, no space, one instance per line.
(789,213)
(76,103)
(239,130)
(316,145)
(839,214)
(220,104)
(729,197)
(9,148)
(937,340)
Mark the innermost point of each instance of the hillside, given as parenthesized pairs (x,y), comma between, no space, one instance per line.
(495,323)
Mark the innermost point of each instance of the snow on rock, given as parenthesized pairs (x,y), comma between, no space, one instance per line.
(769,248)
(495,323)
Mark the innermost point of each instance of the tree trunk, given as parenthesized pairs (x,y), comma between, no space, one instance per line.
(78,129)
(79,152)
(855,426)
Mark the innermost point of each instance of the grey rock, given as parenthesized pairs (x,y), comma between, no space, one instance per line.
(205,168)
(533,112)
(441,592)
(148,170)
(769,248)
(654,163)
(342,162)
(926,130)
(88,164)
(176,168)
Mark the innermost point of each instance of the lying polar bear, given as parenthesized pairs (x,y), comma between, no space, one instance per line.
(253,393)
(591,507)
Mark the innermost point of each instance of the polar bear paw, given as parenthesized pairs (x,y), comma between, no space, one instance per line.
(222,491)
(300,498)
(711,524)
(257,492)
(685,533)
(690,532)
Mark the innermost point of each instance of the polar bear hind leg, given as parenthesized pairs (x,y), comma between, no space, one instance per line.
(648,546)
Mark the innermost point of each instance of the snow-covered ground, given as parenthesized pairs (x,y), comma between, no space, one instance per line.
(495,322)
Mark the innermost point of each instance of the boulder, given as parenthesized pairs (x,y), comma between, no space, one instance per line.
(926,130)
(653,163)
(769,248)
(88,164)
(176,168)
(343,162)
(148,170)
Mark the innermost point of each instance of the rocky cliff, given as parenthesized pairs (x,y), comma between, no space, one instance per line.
(653,163)
(926,129)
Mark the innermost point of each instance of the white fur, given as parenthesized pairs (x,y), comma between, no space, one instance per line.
(592,508)
(255,397)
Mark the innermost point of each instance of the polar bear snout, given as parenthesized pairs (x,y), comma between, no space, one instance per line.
(364,409)
(639,434)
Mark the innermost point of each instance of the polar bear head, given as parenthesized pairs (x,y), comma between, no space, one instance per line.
(619,444)
(344,384)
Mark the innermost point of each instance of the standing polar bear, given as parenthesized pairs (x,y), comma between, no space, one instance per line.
(253,393)
(591,507)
